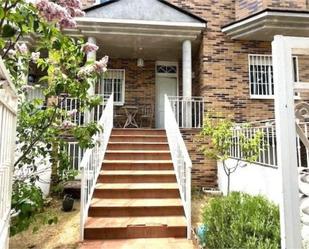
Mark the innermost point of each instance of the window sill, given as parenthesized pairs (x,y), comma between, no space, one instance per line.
(262,96)
(269,97)
(118,103)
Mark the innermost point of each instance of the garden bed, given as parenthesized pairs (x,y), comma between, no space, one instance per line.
(63,235)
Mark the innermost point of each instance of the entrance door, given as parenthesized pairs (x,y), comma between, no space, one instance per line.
(164,85)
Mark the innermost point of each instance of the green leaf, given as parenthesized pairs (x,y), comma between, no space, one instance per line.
(1,13)
(8,31)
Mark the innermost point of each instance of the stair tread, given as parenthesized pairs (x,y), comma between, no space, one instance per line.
(99,202)
(138,161)
(139,151)
(129,142)
(138,129)
(123,222)
(137,135)
(142,243)
(144,186)
(137,172)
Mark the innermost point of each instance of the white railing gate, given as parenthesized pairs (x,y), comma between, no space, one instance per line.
(8,111)
(282,50)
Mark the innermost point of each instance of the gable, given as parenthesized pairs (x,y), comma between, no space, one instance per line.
(145,10)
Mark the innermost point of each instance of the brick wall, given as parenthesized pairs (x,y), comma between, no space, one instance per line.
(139,84)
(222,76)
(244,8)
(204,174)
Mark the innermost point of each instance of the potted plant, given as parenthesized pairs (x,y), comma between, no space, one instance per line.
(67,203)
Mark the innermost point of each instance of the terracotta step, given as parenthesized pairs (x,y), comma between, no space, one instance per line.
(138,132)
(137,146)
(137,165)
(135,207)
(136,176)
(138,138)
(137,155)
(136,190)
(135,227)
(142,243)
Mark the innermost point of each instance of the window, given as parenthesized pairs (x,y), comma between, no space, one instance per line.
(113,81)
(172,69)
(261,77)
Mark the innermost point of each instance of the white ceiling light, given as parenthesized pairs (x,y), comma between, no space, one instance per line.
(140,62)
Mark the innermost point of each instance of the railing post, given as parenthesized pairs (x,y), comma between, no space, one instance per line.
(286,142)
(82,199)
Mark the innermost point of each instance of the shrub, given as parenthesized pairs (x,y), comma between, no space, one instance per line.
(241,221)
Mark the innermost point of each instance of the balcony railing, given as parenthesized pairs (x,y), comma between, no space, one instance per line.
(92,161)
(181,160)
(268,155)
(188,111)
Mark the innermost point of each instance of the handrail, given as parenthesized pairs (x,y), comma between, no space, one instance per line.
(181,160)
(92,160)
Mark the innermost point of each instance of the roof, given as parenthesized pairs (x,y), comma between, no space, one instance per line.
(164,2)
(263,11)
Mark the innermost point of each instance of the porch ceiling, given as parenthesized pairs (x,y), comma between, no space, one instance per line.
(127,39)
(264,25)
(151,29)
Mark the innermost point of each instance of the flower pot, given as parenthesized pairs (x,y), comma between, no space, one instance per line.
(67,203)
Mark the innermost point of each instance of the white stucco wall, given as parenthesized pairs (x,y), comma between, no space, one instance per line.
(253,179)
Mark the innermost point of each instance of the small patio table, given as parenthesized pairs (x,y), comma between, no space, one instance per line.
(131,112)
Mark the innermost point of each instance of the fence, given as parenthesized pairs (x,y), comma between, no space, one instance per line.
(181,160)
(92,160)
(188,111)
(268,153)
(8,107)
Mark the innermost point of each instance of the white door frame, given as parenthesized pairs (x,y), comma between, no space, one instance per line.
(168,75)
(168,63)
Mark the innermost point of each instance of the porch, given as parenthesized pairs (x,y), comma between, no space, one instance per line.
(150,56)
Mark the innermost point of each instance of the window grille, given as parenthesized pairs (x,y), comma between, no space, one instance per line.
(261,75)
(113,81)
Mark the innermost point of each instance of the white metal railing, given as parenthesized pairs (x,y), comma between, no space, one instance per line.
(268,155)
(92,161)
(75,154)
(8,112)
(181,160)
(72,105)
(188,111)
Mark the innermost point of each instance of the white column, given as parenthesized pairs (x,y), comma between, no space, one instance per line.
(187,81)
(187,68)
(91,56)
(286,143)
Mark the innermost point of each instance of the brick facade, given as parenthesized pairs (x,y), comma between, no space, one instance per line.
(204,174)
(244,8)
(139,85)
(220,69)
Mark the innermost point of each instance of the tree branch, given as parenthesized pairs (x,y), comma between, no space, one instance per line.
(37,138)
